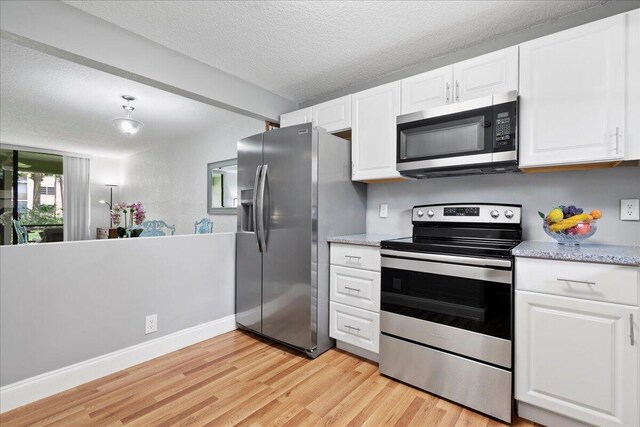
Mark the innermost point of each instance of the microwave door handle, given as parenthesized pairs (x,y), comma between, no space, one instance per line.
(254,216)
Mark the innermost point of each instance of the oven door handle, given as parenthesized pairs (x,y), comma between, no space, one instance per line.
(481,262)
(473,272)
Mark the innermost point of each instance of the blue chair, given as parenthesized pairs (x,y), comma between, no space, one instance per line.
(21,231)
(204,226)
(156,227)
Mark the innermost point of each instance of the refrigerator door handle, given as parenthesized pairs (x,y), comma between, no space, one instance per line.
(254,216)
(263,181)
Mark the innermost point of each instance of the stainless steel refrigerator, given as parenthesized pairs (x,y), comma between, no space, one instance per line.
(295,190)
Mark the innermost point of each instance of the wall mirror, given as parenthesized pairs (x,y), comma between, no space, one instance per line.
(222,187)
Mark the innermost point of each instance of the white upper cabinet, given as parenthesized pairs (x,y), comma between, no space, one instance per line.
(427,90)
(373,143)
(334,115)
(572,95)
(486,75)
(296,117)
(632,137)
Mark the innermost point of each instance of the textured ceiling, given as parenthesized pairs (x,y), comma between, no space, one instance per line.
(51,103)
(303,49)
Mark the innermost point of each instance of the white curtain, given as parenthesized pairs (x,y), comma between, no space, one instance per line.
(76,196)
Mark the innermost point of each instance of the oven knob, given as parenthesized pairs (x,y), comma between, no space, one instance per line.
(508,213)
(494,214)
(420,213)
(430,213)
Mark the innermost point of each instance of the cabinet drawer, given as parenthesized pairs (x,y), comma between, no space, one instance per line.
(599,282)
(354,326)
(355,256)
(359,288)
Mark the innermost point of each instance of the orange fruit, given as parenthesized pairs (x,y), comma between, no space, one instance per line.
(596,214)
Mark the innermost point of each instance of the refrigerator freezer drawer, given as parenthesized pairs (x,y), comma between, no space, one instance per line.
(359,288)
(354,326)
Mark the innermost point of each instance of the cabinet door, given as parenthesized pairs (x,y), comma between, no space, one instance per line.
(632,135)
(486,75)
(577,358)
(297,117)
(334,115)
(431,89)
(373,143)
(572,95)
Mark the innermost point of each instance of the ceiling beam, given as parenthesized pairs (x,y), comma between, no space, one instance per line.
(63,31)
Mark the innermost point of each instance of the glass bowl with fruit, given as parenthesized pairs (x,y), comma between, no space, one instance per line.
(570,225)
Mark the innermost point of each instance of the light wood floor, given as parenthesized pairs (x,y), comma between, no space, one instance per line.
(240,379)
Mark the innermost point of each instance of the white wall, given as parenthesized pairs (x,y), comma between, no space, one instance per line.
(171,180)
(85,299)
(597,189)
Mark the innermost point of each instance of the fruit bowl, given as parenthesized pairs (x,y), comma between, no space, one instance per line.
(571,236)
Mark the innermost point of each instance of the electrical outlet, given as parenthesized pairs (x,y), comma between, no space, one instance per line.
(384,210)
(630,210)
(151,324)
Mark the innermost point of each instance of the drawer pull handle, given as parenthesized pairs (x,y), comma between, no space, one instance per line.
(352,328)
(583,282)
(631,337)
(350,257)
(352,289)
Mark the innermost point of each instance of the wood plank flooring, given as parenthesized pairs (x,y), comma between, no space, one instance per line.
(241,379)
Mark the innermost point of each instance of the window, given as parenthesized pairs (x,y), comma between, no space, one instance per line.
(47,191)
(32,185)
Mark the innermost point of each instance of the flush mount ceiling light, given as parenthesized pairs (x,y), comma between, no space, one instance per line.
(127,125)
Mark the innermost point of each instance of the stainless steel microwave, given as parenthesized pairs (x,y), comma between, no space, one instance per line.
(472,137)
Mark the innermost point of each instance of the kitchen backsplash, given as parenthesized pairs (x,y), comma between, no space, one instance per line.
(596,189)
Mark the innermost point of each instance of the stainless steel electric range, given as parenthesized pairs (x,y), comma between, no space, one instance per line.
(447,304)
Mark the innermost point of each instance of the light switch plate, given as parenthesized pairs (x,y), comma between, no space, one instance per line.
(630,210)
(384,210)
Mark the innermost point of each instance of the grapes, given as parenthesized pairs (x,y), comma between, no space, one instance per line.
(571,210)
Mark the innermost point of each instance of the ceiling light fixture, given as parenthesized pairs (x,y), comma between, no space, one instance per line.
(127,125)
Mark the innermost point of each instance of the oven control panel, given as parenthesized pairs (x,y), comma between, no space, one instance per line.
(470,213)
(461,211)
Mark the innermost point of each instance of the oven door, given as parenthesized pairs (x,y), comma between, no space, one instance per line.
(458,304)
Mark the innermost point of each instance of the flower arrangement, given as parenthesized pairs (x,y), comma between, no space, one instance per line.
(134,214)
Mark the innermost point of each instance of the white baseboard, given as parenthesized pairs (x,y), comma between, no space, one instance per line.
(43,385)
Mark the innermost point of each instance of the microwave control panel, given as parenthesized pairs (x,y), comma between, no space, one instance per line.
(505,127)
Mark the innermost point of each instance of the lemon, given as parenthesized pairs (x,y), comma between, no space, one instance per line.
(556,215)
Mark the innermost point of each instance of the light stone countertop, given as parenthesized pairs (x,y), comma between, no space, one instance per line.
(606,254)
(367,239)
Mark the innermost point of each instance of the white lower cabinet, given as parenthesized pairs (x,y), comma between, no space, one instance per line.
(359,288)
(576,357)
(354,309)
(355,326)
